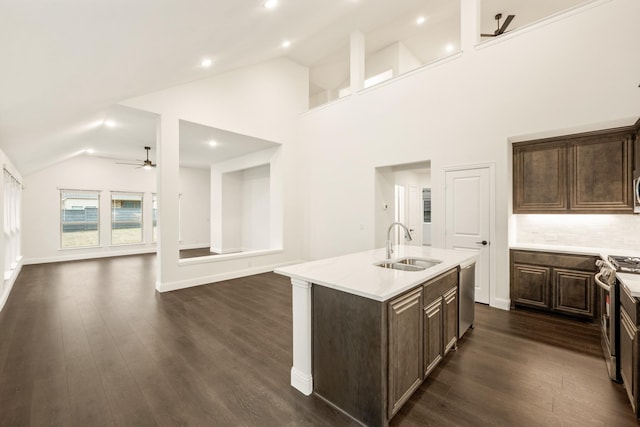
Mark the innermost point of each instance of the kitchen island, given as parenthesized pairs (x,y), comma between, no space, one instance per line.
(365,336)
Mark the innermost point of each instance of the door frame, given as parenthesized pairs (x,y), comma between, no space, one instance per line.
(492,217)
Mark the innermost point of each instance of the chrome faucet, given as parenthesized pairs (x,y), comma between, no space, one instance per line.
(407,235)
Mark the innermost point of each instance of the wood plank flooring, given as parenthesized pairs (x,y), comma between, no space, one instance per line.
(91,343)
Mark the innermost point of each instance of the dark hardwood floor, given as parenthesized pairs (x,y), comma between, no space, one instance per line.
(91,343)
(194,253)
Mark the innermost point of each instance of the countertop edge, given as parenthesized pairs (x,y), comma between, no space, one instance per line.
(464,257)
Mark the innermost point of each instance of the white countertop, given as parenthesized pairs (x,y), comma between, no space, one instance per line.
(356,274)
(629,280)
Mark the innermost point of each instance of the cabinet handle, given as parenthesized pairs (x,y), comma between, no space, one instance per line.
(483,243)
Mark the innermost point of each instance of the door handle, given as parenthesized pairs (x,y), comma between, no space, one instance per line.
(483,243)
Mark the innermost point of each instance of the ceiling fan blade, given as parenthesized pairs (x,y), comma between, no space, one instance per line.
(506,24)
(487,35)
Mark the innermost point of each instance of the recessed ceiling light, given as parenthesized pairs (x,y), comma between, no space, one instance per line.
(421,20)
(206,63)
(109,123)
(212,143)
(286,44)
(270,4)
(449,48)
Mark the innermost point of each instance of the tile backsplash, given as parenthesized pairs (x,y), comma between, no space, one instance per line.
(594,231)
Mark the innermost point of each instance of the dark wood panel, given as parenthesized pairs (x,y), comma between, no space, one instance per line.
(628,358)
(573,292)
(433,335)
(349,350)
(405,348)
(439,285)
(530,285)
(539,178)
(450,301)
(600,173)
(567,261)
(221,355)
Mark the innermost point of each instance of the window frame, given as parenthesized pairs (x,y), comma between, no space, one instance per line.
(97,193)
(111,216)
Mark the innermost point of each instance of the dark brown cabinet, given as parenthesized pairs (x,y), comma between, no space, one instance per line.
(370,356)
(530,285)
(405,348)
(450,327)
(539,177)
(586,173)
(629,349)
(559,283)
(433,335)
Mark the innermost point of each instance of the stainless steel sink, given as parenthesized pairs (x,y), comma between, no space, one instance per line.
(409,264)
(420,262)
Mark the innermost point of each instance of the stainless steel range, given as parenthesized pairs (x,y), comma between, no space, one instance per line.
(609,317)
(610,307)
(625,264)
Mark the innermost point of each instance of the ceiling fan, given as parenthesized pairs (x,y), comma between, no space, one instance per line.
(500,29)
(146,164)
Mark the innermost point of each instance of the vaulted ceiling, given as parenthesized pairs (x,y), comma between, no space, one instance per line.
(65,64)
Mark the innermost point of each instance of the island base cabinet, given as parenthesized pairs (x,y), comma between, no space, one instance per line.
(350,354)
(369,356)
(450,329)
(629,346)
(433,340)
(405,353)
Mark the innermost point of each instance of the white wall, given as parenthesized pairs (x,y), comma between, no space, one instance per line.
(553,77)
(255,208)
(195,198)
(230,221)
(264,101)
(41,206)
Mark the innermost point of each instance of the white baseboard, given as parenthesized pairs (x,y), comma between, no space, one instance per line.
(301,382)
(502,303)
(8,284)
(89,255)
(205,280)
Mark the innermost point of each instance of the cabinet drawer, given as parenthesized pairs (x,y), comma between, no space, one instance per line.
(438,286)
(571,262)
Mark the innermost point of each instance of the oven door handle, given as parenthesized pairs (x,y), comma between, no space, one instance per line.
(602,284)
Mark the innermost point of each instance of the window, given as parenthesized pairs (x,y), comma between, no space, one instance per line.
(154,218)
(79,219)
(12,202)
(126,218)
(426,200)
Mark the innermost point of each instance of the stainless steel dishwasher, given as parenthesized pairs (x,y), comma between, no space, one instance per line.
(466,309)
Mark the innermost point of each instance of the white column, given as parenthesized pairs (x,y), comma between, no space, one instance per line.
(357,61)
(469,24)
(167,179)
(301,378)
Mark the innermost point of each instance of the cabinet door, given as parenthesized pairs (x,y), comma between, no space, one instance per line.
(405,348)
(530,285)
(433,331)
(450,319)
(573,292)
(600,173)
(539,178)
(627,357)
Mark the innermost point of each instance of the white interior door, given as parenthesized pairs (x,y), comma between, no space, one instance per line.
(467,220)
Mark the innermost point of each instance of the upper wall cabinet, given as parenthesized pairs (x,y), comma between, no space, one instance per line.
(586,173)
